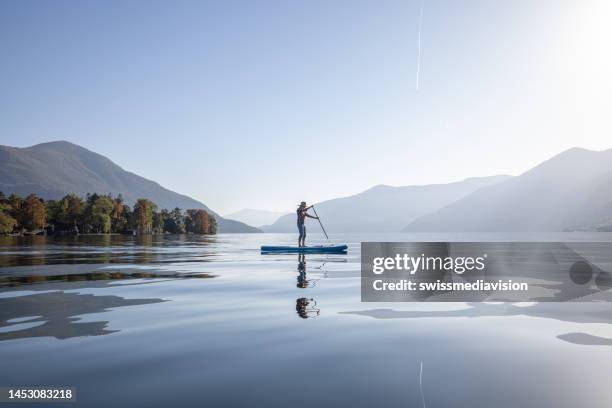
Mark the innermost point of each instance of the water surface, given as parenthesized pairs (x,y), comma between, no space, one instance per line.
(209,321)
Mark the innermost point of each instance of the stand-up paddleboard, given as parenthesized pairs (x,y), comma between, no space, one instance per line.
(315,249)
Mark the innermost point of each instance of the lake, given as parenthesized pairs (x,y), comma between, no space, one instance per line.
(209,321)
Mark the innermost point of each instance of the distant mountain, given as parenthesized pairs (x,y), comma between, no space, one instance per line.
(255,217)
(55,169)
(385,208)
(570,190)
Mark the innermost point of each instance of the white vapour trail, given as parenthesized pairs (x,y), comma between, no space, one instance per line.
(418,73)
(421,384)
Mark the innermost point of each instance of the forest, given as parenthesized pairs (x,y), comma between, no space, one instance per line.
(97,214)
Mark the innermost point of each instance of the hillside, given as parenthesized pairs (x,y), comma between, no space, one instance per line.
(55,169)
(571,190)
(385,208)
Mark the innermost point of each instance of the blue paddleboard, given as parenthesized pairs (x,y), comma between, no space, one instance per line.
(315,249)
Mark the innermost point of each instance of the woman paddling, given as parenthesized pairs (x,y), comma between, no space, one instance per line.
(302,213)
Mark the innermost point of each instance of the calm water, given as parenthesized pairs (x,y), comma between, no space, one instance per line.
(212,322)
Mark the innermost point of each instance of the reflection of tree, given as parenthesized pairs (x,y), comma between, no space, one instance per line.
(104,249)
(58,311)
(40,242)
(145,242)
(13,281)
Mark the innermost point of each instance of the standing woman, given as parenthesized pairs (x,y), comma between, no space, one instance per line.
(302,213)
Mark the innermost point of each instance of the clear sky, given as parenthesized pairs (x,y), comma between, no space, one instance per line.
(262,104)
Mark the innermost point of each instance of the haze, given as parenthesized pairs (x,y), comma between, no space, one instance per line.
(271,103)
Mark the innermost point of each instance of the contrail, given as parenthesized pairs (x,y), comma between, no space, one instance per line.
(419,54)
(421,384)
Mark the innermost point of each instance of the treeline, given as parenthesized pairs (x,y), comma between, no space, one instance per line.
(101,214)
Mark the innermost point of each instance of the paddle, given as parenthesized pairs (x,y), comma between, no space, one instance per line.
(320,223)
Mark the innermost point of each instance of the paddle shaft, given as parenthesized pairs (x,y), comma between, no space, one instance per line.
(320,223)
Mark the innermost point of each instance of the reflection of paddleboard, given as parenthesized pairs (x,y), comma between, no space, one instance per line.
(318,249)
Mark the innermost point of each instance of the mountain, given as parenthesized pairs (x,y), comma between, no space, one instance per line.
(252,216)
(570,190)
(385,208)
(55,169)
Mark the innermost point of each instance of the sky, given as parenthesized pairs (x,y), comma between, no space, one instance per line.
(263,104)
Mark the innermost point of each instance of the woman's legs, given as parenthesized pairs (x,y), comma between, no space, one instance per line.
(302,238)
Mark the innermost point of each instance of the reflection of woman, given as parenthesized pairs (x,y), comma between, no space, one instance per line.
(304,308)
(302,282)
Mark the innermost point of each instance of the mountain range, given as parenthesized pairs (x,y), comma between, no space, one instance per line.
(572,190)
(385,208)
(52,170)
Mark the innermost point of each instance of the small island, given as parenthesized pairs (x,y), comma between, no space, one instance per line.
(97,214)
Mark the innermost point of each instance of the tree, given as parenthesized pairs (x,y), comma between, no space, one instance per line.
(33,214)
(189,220)
(198,221)
(159,219)
(100,213)
(74,207)
(213,226)
(143,216)
(128,214)
(174,222)
(54,212)
(66,214)
(15,202)
(119,215)
(7,223)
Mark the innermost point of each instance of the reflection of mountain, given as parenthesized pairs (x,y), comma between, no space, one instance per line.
(585,339)
(571,190)
(566,312)
(55,169)
(56,314)
(385,208)
(562,311)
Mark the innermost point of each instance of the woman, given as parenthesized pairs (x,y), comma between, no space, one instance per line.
(302,213)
